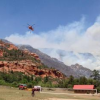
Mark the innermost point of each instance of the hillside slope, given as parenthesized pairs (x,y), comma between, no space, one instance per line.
(13,59)
(53,62)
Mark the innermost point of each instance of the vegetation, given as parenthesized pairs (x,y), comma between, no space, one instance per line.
(95,80)
(95,75)
(13,55)
(16,78)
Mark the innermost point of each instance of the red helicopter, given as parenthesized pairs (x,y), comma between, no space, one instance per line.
(31,27)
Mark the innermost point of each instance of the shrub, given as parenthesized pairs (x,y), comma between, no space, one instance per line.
(98,89)
(2,82)
(15,84)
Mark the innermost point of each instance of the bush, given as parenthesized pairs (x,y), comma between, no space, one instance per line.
(2,82)
(98,89)
(15,84)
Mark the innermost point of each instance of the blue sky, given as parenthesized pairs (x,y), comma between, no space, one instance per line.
(46,14)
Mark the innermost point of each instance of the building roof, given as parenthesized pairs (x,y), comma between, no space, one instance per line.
(80,87)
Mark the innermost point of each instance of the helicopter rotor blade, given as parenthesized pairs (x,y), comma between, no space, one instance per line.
(28,24)
(33,24)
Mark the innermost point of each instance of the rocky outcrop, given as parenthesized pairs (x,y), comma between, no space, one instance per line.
(32,54)
(13,59)
(82,71)
(6,45)
(11,46)
(28,68)
(1,53)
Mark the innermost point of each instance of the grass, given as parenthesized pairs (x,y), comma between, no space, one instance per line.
(9,93)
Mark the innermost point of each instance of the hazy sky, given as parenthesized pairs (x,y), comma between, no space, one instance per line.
(46,14)
(70,25)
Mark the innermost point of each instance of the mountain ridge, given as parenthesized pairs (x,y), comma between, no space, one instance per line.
(53,62)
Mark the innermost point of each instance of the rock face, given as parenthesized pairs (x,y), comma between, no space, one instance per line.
(81,70)
(13,59)
(1,53)
(6,45)
(28,68)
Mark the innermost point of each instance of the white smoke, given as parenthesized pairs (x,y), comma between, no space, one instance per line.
(72,37)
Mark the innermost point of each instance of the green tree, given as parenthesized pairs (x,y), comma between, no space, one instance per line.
(46,79)
(83,80)
(95,75)
(71,79)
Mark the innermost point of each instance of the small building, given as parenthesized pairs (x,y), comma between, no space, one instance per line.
(84,89)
